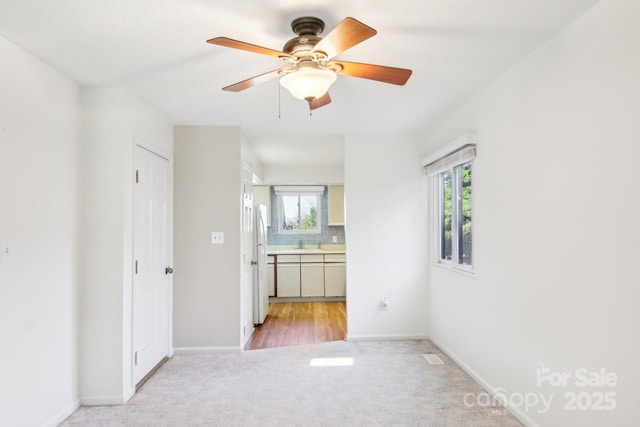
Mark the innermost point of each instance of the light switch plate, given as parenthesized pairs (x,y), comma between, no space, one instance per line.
(217,238)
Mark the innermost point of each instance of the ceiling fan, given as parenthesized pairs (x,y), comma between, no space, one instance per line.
(311,68)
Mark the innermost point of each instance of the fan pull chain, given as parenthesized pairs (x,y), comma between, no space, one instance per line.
(279,94)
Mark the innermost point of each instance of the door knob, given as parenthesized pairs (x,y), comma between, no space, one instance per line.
(168,270)
(254,262)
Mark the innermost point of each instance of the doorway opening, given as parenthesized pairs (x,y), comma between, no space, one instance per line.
(297,323)
(305,259)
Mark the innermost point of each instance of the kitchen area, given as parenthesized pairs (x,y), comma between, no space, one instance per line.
(305,270)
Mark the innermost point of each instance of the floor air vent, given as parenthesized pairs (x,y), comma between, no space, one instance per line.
(433,359)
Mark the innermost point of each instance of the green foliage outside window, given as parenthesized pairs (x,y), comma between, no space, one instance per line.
(310,222)
(456,213)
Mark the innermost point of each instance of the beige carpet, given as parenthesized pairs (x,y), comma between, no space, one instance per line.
(389,383)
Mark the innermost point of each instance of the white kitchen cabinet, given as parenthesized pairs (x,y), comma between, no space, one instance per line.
(335,278)
(312,280)
(262,196)
(336,204)
(335,258)
(308,275)
(312,275)
(288,270)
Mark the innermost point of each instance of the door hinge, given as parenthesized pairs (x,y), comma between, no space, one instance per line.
(137,177)
(136,268)
(135,358)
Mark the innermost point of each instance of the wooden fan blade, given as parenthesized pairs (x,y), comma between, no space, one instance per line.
(246,84)
(396,76)
(347,34)
(235,44)
(320,102)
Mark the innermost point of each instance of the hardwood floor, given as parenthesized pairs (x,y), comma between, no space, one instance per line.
(300,323)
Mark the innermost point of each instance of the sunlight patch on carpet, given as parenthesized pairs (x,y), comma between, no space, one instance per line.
(433,359)
(331,361)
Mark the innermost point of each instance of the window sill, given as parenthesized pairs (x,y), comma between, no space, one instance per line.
(466,271)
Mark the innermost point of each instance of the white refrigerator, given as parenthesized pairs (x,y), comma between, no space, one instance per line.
(260,283)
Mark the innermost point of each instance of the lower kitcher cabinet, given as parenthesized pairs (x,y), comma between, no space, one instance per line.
(288,280)
(335,280)
(312,280)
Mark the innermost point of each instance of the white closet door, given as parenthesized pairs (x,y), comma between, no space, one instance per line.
(152,251)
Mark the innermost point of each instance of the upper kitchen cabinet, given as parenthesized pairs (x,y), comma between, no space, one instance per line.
(336,204)
(262,196)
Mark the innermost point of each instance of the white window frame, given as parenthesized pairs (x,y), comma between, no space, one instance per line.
(450,158)
(298,191)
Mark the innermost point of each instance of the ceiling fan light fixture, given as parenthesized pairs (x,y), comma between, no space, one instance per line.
(308,82)
(310,70)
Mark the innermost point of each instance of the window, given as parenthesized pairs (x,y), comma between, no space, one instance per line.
(455,225)
(299,210)
(451,169)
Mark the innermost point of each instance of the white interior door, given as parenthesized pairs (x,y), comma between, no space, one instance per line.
(152,251)
(248,248)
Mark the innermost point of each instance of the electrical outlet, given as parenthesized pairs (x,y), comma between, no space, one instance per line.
(334,239)
(217,238)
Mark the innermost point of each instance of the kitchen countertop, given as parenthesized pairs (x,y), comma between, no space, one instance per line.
(303,252)
(287,250)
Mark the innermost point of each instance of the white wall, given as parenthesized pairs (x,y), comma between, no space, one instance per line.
(556,205)
(251,160)
(386,237)
(38,219)
(112,122)
(303,175)
(207,292)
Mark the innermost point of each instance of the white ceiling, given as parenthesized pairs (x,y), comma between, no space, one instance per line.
(157,50)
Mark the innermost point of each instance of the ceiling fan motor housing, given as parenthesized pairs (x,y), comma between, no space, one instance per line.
(308,29)
(307,26)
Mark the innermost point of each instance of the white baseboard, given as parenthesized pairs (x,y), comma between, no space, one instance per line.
(388,337)
(192,350)
(523,417)
(63,414)
(107,400)
(129,394)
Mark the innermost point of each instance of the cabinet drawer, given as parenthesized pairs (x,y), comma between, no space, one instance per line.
(335,258)
(288,258)
(312,258)
(271,259)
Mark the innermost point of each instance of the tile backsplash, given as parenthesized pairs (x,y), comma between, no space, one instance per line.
(324,238)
